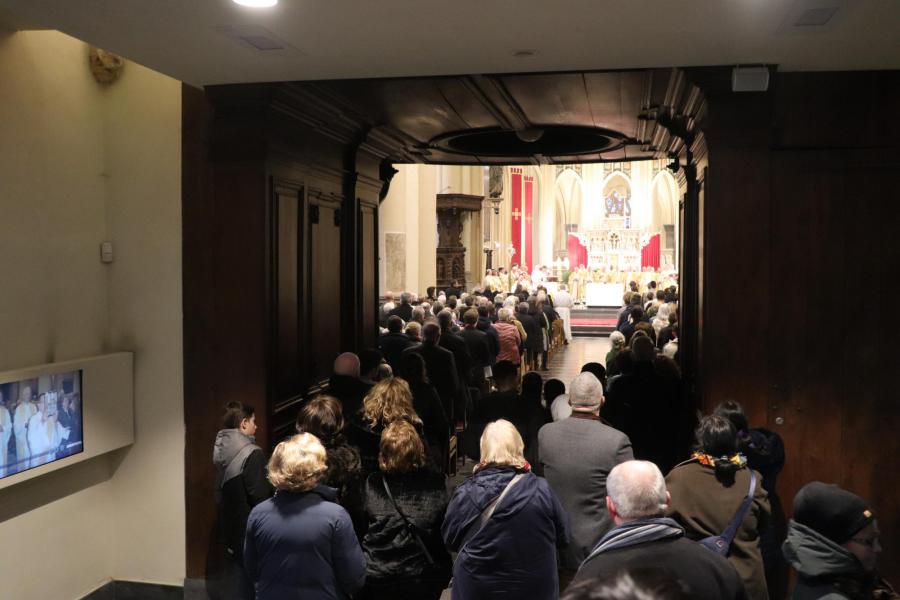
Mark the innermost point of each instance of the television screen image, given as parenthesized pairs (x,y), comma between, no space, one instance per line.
(40,421)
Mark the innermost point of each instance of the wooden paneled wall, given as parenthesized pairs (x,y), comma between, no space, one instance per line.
(800,270)
(280,207)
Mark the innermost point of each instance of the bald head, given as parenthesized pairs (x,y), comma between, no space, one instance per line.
(347,364)
(636,489)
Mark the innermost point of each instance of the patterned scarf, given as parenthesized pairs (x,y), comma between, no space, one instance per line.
(636,532)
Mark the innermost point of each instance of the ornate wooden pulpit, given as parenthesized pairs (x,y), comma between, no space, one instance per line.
(451,254)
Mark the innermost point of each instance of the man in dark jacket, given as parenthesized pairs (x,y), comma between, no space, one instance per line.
(833,544)
(346,386)
(241,485)
(636,501)
(404,310)
(440,366)
(479,348)
(394,342)
(484,324)
(455,344)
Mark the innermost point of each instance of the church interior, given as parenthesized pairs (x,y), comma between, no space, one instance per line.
(204,203)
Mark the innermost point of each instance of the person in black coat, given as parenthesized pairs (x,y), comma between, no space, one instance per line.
(636,501)
(499,404)
(427,405)
(405,506)
(534,344)
(345,385)
(301,543)
(241,484)
(484,324)
(394,342)
(323,418)
(440,366)
(479,349)
(455,344)
(647,407)
(404,310)
(453,290)
(514,553)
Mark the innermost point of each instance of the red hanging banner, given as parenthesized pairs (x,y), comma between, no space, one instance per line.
(650,253)
(529,222)
(516,219)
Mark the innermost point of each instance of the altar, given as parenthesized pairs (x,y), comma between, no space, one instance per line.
(603,294)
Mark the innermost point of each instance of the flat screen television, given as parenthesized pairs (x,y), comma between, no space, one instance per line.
(40,421)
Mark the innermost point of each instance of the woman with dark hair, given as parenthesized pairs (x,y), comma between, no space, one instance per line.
(764,450)
(405,506)
(323,417)
(427,404)
(241,484)
(708,491)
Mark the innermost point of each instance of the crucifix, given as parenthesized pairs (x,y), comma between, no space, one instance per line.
(516,214)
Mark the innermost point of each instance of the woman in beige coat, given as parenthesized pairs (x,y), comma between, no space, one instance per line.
(708,490)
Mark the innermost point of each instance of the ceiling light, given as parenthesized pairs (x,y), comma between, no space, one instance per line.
(256,3)
(530,134)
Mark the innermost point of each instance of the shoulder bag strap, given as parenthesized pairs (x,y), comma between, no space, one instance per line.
(413,530)
(489,510)
(741,513)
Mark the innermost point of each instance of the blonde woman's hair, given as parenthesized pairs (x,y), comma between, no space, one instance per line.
(501,444)
(298,463)
(401,449)
(388,401)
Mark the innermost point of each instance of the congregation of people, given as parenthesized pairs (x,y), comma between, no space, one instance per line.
(607,486)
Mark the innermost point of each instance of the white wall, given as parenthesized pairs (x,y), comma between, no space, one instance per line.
(79,164)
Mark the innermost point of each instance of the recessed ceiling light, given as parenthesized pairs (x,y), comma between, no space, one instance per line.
(256,3)
(526,53)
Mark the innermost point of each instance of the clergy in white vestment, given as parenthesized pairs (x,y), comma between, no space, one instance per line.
(23,413)
(563,303)
(6,429)
(538,277)
(44,434)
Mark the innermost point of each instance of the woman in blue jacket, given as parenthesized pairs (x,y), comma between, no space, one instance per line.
(510,551)
(300,544)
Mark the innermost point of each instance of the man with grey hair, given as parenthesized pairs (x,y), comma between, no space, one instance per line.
(405,309)
(636,503)
(576,455)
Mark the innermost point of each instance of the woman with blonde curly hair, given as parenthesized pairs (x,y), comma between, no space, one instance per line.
(388,401)
(301,544)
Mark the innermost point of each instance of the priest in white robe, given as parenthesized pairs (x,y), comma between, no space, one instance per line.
(6,429)
(563,303)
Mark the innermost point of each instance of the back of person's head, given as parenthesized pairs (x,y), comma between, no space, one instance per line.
(431,333)
(652,285)
(637,490)
(429,291)
(635,299)
(831,511)
(298,463)
(401,449)
(503,315)
(389,401)
(418,314)
(484,311)
(414,330)
(597,369)
(451,302)
(347,364)
(469,301)
(506,375)
(501,444)
(630,583)
(625,361)
(369,359)
(235,413)
(412,368)
(523,308)
(405,297)
(323,417)
(470,317)
(552,389)
(586,392)
(445,319)
(717,437)
(532,386)
(734,412)
(636,314)
(642,349)
(617,339)
(436,308)
(394,324)
(660,295)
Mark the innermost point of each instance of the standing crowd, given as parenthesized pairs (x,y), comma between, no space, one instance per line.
(610,487)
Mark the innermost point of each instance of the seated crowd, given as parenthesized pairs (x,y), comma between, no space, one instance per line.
(610,488)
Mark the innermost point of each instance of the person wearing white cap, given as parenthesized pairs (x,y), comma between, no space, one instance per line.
(576,455)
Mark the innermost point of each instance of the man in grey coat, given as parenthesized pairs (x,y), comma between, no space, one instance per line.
(576,455)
